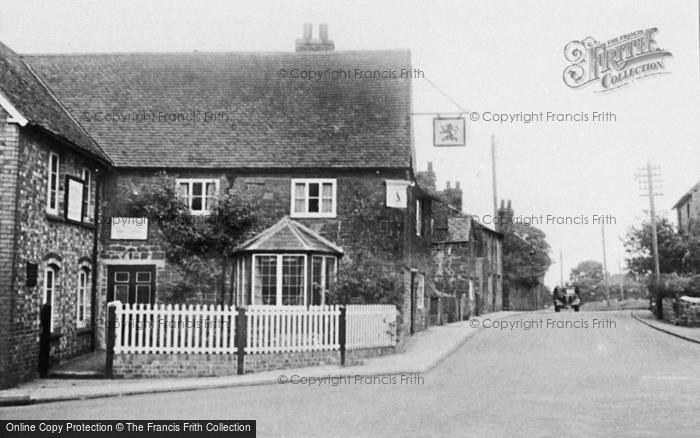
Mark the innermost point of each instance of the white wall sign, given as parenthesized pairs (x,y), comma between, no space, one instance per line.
(396,193)
(74,199)
(129,228)
(449,131)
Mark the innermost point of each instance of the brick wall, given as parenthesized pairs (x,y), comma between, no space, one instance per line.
(44,240)
(9,160)
(681,312)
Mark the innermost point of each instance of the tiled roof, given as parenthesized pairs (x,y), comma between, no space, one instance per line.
(260,120)
(34,101)
(289,236)
(686,196)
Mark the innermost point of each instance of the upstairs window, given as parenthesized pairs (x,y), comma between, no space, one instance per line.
(313,198)
(52,187)
(87,210)
(199,194)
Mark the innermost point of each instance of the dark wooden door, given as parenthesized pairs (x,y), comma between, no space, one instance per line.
(131,284)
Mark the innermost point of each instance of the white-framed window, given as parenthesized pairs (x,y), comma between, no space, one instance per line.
(323,272)
(419,218)
(279,279)
(52,185)
(49,296)
(84,298)
(198,193)
(87,208)
(313,197)
(420,291)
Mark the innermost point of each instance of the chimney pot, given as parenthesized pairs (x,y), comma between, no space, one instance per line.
(448,184)
(509,203)
(323,32)
(503,203)
(308,32)
(430,166)
(457,184)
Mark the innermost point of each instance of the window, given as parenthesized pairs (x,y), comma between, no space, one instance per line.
(419,218)
(420,291)
(313,198)
(199,194)
(52,187)
(323,271)
(50,278)
(84,298)
(280,279)
(87,211)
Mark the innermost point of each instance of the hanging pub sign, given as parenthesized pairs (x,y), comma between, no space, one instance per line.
(449,131)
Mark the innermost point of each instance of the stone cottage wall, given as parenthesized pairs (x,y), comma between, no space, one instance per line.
(45,239)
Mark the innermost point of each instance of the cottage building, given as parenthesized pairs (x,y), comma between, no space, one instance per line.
(50,169)
(688,210)
(331,163)
(467,258)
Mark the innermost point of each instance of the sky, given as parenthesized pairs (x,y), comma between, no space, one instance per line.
(489,56)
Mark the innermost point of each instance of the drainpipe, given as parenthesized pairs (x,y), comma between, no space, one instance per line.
(95,245)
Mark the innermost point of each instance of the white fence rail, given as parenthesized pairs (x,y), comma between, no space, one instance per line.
(160,328)
(278,329)
(173,329)
(370,325)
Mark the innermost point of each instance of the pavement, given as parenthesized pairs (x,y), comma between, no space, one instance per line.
(691,334)
(423,352)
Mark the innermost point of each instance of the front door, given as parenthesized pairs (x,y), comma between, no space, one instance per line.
(131,284)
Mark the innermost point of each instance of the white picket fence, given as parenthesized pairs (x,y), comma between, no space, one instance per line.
(178,329)
(279,329)
(145,328)
(370,325)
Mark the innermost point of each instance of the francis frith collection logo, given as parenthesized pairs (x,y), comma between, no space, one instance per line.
(615,63)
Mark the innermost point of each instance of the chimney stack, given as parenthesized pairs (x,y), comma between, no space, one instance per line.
(427,177)
(453,195)
(308,44)
(504,224)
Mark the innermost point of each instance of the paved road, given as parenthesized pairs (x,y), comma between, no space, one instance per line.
(620,378)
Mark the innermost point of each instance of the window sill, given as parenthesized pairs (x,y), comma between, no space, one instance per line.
(313,215)
(55,218)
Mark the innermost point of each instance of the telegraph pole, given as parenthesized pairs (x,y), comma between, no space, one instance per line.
(493,172)
(622,281)
(650,179)
(605,267)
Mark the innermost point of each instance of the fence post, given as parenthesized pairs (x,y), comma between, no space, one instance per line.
(111,327)
(241,339)
(45,339)
(342,332)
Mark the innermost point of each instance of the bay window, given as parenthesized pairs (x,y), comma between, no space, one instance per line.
(279,279)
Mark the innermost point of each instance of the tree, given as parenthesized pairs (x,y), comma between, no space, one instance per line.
(678,253)
(525,256)
(589,277)
(201,247)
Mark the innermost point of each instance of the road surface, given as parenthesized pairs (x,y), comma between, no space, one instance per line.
(571,374)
